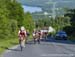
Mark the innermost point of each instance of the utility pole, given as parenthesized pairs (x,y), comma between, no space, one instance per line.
(54,7)
(53,10)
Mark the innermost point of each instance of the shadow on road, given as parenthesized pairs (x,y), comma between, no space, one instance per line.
(52,39)
(14,49)
(10,48)
(30,42)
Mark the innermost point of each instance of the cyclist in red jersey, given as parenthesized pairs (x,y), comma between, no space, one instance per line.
(22,36)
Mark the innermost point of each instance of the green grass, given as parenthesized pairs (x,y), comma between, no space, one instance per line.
(6,43)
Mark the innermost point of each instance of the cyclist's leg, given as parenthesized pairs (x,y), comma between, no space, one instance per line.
(38,40)
(34,39)
(44,36)
(26,40)
(20,42)
(23,42)
(40,37)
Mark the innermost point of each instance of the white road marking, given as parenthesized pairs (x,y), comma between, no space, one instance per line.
(43,55)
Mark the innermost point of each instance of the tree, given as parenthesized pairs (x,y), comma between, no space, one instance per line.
(11,17)
(71,29)
(16,12)
(28,21)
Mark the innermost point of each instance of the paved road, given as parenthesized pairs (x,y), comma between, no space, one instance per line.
(49,48)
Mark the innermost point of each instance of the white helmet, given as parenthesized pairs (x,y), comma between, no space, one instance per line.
(22,28)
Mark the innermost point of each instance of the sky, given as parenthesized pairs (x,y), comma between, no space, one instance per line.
(31,9)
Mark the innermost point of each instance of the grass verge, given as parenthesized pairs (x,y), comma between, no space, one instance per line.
(6,43)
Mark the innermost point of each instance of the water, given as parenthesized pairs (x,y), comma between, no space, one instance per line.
(31,9)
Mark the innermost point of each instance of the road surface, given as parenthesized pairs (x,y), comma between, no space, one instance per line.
(49,48)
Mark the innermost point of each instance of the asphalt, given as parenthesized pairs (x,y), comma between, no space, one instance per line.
(48,48)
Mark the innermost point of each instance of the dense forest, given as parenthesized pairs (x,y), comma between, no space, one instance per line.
(12,17)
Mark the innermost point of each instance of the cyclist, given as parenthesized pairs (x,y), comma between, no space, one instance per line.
(28,34)
(39,36)
(22,36)
(34,35)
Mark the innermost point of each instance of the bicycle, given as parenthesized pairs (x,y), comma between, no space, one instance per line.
(22,35)
(20,42)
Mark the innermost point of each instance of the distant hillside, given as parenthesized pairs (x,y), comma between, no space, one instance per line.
(48,3)
(47,6)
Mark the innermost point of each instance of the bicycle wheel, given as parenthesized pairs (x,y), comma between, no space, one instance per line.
(20,45)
